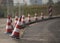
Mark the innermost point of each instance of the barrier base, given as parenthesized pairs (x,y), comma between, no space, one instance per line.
(14,37)
(7,32)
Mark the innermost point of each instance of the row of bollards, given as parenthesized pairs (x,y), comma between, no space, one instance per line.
(14,29)
(20,22)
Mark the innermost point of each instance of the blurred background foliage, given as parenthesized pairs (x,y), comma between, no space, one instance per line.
(30,9)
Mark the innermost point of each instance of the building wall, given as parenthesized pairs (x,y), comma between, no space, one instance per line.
(7,2)
(36,2)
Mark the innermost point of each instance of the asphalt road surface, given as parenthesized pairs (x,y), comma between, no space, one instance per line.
(42,32)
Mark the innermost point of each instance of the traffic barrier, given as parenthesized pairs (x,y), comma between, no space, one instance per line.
(16,31)
(29,18)
(9,26)
(35,17)
(50,11)
(16,19)
(42,15)
(23,19)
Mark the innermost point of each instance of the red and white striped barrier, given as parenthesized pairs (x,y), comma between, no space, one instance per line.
(35,17)
(50,10)
(23,19)
(16,19)
(16,31)
(42,15)
(29,18)
(9,26)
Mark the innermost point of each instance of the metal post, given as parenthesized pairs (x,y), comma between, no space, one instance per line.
(19,7)
(7,8)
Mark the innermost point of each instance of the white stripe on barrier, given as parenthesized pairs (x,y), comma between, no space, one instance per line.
(9,27)
(8,20)
(19,23)
(16,30)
